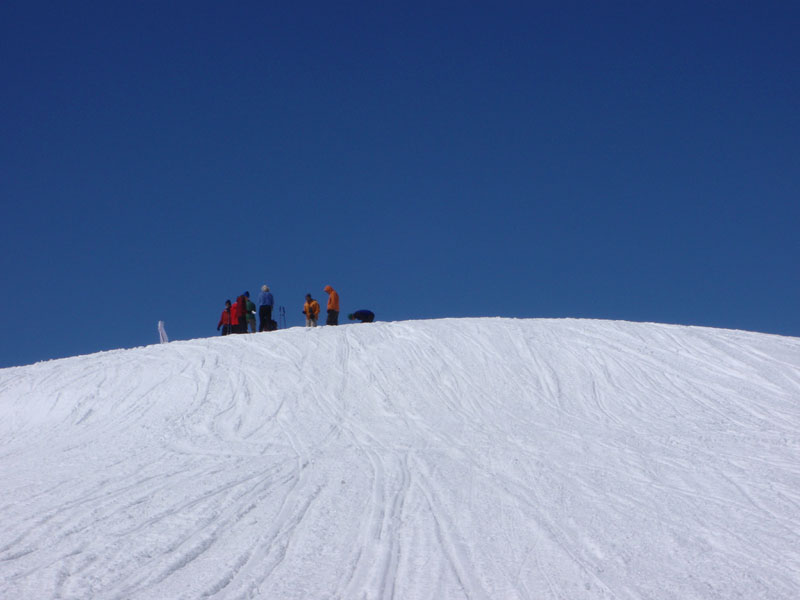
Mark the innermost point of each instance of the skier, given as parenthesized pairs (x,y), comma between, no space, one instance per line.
(311,311)
(225,319)
(363,315)
(333,306)
(265,304)
(251,314)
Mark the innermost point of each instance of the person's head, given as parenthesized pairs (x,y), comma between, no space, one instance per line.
(247,294)
(308,298)
(265,288)
(328,289)
(227,303)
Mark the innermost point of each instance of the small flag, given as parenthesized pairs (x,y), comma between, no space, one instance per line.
(162,333)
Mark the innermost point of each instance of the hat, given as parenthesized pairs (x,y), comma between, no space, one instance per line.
(247,294)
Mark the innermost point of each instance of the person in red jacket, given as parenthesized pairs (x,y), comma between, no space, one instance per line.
(238,316)
(333,306)
(225,319)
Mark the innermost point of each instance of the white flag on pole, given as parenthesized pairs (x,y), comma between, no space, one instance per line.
(162,333)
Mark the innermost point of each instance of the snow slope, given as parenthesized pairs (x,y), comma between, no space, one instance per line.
(475,458)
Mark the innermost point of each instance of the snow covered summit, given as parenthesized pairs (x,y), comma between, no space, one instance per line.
(471,458)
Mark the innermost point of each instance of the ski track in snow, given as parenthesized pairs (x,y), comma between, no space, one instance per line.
(469,458)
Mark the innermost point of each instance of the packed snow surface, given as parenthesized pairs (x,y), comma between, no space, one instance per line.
(475,458)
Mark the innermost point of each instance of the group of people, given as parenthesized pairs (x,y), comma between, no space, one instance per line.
(240,317)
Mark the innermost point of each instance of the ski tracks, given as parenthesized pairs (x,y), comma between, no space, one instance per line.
(437,460)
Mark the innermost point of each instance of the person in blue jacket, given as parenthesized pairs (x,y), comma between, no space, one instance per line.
(365,316)
(265,304)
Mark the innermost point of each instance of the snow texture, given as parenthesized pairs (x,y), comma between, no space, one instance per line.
(469,458)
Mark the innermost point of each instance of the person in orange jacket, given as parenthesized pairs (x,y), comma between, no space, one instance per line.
(333,306)
(311,311)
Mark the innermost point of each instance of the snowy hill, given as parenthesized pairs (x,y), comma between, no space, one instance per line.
(476,458)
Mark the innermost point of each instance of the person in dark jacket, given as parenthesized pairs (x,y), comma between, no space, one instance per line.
(251,313)
(365,316)
(225,319)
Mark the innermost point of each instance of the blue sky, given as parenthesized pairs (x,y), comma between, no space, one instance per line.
(632,161)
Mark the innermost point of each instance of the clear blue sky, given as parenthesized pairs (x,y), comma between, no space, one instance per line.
(625,160)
